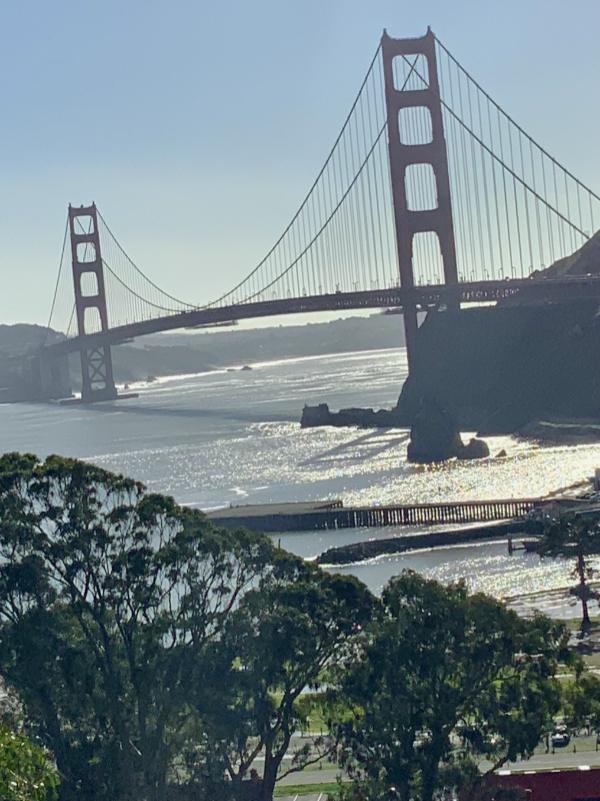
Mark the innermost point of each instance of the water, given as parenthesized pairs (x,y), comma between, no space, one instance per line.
(233,437)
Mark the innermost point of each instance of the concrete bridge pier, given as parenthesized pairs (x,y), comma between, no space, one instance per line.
(40,375)
(53,375)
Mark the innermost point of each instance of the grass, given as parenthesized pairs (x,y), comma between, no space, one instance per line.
(321,764)
(591,660)
(305,789)
(574,623)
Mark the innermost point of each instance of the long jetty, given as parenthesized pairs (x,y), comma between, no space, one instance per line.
(332,515)
(360,551)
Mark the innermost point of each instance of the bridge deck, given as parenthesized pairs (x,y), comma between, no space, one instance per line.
(426,297)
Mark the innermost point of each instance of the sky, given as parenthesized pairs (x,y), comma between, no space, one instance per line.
(197,126)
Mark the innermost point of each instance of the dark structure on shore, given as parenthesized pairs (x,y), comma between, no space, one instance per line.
(497,369)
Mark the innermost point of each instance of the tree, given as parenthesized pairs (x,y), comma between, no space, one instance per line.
(288,632)
(25,773)
(581,703)
(575,537)
(109,597)
(448,679)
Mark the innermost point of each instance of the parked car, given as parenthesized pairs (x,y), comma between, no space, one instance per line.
(560,739)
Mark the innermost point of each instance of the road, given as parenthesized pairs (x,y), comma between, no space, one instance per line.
(561,760)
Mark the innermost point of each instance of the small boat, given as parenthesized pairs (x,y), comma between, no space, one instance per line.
(529,546)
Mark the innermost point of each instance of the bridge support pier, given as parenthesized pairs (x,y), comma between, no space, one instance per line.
(404,154)
(55,382)
(97,381)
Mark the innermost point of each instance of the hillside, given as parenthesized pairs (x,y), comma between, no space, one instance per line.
(585,261)
(22,338)
(195,352)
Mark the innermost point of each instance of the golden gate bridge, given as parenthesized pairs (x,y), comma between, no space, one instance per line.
(432,196)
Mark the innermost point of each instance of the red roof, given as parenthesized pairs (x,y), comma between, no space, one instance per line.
(582,784)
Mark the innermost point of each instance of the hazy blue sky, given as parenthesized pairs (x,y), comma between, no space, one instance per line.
(197,127)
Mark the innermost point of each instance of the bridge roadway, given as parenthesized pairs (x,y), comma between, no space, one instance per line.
(522,291)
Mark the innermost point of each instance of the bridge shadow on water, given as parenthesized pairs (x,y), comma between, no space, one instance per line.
(189,413)
(371,444)
(378,441)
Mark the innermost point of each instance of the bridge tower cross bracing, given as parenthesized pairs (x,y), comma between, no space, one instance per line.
(96,362)
(409,222)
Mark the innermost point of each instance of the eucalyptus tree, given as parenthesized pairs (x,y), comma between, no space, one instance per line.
(109,595)
(581,703)
(447,680)
(289,632)
(576,538)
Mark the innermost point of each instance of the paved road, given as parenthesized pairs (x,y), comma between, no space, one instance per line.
(310,777)
(561,760)
(311,797)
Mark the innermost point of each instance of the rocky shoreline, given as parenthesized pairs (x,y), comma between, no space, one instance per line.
(434,435)
(571,432)
(550,432)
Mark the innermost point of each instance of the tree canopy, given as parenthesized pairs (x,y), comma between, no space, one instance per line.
(287,634)
(448,679)
(25,771)
(575,537)
(149,648)
(108,595)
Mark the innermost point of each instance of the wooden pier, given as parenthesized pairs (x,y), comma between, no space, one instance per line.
(327,516)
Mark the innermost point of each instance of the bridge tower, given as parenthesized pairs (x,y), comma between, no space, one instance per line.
(90,299)
(402,155)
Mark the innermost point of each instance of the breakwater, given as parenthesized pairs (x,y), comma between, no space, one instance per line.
(362,551)
(334,516)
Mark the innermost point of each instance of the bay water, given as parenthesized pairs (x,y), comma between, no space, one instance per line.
(233,437)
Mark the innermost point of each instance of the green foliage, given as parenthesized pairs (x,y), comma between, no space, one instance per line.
(575,537)
(581,703)
(110,599)
(146,647)
(289,630)
(25,774)
(448,678)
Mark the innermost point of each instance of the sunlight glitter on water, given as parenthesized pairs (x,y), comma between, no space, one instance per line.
(525,581)
(223,438)
(361,467)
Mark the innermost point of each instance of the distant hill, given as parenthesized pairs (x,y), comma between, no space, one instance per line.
(585,261)
(196,352)
(180,353)
(22,338)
